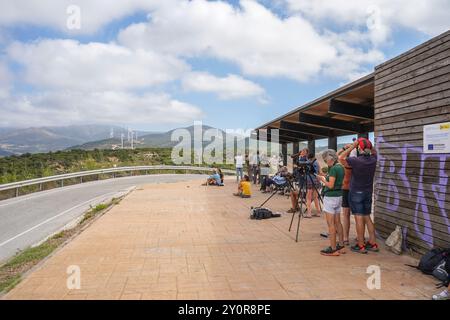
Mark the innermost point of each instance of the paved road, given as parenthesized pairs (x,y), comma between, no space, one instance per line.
(26,220)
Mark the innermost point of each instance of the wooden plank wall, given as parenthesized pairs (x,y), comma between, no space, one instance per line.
(412,189)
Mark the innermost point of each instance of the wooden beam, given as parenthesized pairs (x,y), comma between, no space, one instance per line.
(351,109)
(293,134)
(330,123)
(302,128)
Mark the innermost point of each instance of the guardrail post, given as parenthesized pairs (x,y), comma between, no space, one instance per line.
(81,179)
(62,183)
(40,186)
(17,192)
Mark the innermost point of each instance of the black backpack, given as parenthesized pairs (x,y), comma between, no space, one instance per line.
(262,213)
(431,260)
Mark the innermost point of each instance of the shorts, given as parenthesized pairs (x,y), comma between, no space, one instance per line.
(332,205)
(360,203)
(345,203)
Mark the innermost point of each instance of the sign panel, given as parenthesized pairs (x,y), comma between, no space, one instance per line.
(436,138)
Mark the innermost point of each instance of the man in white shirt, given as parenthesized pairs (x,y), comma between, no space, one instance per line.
(239,166)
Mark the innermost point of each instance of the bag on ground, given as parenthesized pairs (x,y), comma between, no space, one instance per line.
(262,213)
(431,260)
(395,240)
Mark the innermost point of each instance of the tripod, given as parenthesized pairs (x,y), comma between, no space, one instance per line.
(302,198)
(278,188)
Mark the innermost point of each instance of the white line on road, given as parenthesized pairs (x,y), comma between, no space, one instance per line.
(54,217)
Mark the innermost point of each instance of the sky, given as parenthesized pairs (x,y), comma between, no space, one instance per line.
(157,65)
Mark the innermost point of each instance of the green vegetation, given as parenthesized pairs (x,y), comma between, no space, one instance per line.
(11,272)
(31,166)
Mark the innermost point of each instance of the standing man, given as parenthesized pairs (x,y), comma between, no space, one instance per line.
(239,166)
(254,162)
(361,191)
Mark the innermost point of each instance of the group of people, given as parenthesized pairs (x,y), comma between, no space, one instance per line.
(348,188)
(344,184)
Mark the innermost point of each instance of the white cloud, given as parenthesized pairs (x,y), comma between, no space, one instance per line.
(108,107)
(94,13)
(68,64)
(251,36)
(379,17)
(227,88)
(6,78)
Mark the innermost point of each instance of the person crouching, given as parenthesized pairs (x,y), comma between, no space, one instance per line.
(332,201)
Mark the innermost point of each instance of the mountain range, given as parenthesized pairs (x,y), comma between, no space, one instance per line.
(45,139)
(87,137)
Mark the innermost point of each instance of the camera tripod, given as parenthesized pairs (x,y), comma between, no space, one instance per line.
(278,188)
(303,189)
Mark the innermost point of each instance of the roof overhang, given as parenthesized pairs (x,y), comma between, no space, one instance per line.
(347,110)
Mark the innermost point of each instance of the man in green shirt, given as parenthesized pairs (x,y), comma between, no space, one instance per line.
(332,201)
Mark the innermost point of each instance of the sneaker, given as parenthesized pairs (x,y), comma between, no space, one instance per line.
(357,248)
(444,295)
(372,247)
(340,248)
(329,252)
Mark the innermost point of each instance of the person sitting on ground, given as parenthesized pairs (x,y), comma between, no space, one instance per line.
(214,179)
(361,191)
(244,188)
(332,202)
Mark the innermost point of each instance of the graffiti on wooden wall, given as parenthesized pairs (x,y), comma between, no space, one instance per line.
(410,182)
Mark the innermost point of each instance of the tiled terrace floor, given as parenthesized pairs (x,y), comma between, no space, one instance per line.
(185,241)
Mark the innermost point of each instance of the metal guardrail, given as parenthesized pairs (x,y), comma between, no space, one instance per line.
(81,174)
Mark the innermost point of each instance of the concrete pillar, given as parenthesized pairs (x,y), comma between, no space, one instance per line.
(332,143)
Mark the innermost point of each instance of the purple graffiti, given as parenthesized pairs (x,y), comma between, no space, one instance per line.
(390,168)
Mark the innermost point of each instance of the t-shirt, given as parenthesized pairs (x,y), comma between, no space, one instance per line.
(246,188)
(363,171)
(239,161)
(336,171)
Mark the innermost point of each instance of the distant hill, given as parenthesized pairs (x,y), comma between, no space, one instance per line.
(151,140)
(45,139)
(4,153)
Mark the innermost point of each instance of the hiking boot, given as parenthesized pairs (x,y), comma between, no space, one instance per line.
(359,249)
(444,295)
(340,248)
(372,247)
(329,252)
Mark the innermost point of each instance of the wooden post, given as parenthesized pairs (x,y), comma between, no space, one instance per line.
(363,135)
(332,143)
(284,153)
(312,146)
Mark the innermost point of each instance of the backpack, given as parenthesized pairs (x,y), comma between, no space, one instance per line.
(431,260)
(440,271)
(262,213)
